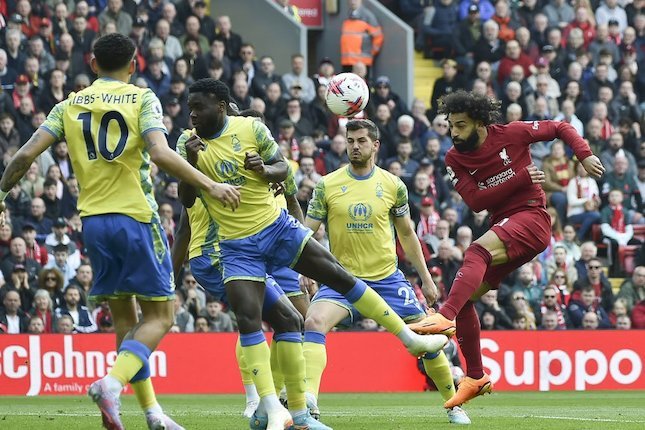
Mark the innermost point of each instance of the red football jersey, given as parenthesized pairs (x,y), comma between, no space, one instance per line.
(494,177)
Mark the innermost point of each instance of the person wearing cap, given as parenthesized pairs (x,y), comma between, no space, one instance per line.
(482,9)
(428,218)
(610,12)
(383,94)
(361,37)
(601,43)
(361,232)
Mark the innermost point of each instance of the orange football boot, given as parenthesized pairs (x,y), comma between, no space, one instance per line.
(468,389)
(434,323)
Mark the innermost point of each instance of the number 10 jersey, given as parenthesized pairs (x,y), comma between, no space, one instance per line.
(104,125)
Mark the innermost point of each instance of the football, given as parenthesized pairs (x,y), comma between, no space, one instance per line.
(347,94)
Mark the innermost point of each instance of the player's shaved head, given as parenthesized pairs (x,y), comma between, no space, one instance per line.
(113,52)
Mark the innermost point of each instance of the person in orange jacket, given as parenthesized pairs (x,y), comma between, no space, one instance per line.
(361,37)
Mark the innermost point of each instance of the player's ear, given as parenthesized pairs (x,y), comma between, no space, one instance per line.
(133,67)
(93,65)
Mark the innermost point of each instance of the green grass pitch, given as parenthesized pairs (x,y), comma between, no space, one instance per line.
(556,410)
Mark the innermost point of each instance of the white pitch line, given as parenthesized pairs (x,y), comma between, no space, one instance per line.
(603,420)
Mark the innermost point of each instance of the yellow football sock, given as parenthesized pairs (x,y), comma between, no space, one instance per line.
(292,365)
(127,365)
(315,362)
(247,378)
(371,305)
(258,360)
(276,369)
(438,369)
(145,393)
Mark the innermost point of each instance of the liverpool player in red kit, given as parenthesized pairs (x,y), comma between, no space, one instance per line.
(490,166)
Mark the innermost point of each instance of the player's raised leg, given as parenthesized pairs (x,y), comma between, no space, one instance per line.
(318,263)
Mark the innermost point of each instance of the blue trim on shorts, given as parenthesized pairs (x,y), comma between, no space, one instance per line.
(356,292)
(137,348)
(431,355)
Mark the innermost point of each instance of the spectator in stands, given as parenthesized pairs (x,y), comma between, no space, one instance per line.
(298,75)
(6,233)
(610,11)
(583,198)
(65,325)
(82,34)
(13,320)
(7,74)
(63,262)
(619,310)
(337,153)
(307,170)
(408,165)
(115,13)
(201,325)
(521,313)
(195,297)
(383,94)
(579,308)
(17,201)
(488,304)
(632,290)
(51,280)
(527,284)
(218,320)
(19,281)
(616,226)
(541,104)
(615,149)
(183,319)
(489,47)
(361,37)
(83,320)
(551,304)
(620,179)
(558,170)
(172,47)
(445,258)
(232,41)
(549,321)
(451,81)
(84,279)
(265,76)
(598,281)
(35,326)
(18,256)
(506,20)
(561,261)
(43,309)
(569,243)
(157,80)
(302,124)
(559,13)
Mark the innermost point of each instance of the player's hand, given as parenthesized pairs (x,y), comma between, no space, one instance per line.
(537,176)
(593,166)
(254,162)
(308,285)
(430,291)
(227,194)
(194,144)
(278,188)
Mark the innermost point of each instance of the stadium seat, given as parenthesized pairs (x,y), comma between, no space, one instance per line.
(616,283)
(627,256)
(639,232)
(604,250)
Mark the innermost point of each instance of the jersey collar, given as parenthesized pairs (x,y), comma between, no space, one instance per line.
(360,178)
(219,133)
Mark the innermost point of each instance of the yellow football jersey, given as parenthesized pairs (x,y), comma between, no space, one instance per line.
(359,212)
(203,230)
(223,161)
(104,125)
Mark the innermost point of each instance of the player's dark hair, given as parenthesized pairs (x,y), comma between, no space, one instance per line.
(113,51)
(359,124)
(211,86)
(253,113)
(477,107)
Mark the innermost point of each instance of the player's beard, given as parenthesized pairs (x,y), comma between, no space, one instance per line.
(360,162)
(468,145)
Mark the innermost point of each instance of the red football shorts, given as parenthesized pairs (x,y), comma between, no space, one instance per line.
(525,234)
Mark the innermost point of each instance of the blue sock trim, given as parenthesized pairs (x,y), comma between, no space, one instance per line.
(142,374)
(315,337)
(356,292)
(431,355)
(137,348)
(250,339)
(295,337)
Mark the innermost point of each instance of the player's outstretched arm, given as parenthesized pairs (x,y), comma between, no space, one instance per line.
(172,163)
(180,245)
(20,162)
(412,248)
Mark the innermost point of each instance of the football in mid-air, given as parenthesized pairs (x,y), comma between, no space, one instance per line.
(347,94)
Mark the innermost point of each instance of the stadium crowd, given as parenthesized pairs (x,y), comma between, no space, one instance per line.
(579,62)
